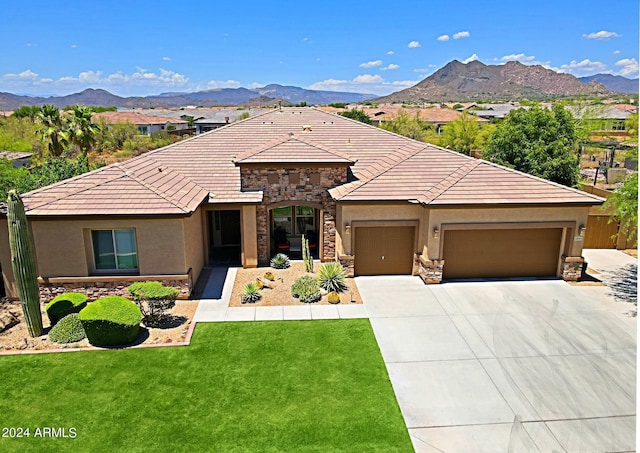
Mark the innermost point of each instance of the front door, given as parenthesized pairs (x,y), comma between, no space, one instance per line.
(225,237)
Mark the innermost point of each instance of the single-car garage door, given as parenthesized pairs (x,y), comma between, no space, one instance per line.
(501,252)
(384,250)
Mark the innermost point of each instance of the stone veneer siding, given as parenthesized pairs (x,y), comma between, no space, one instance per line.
(430,271)
(254,178)
(114,287)
(572,268)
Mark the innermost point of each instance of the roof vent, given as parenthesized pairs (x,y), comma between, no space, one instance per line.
(290,134)
(306,128)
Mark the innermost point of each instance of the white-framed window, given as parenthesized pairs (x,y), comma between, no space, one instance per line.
(114,250)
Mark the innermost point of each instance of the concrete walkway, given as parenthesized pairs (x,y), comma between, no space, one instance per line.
(505,366)
(217,310)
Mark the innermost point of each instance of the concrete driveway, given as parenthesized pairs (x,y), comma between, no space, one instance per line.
(506,366)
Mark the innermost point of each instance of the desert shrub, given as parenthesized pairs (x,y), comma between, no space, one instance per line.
(251,293)
(280,261)
(306,289)
(269,276)
(331,277)
(333,297)
(153,299)
(63,305)
(67,330)
(110,321)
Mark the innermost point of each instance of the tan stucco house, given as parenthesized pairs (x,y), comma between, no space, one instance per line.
(377,202)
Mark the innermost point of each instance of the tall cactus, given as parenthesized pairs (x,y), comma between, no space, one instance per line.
(24,264)
(307,258)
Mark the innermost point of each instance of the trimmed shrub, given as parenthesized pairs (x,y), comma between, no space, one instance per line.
(280,261)
(333,297)
(63,305)
(331,277)
(251,293)
(306,289)
(269,276)
(153,299)
(111,321)
(67,330)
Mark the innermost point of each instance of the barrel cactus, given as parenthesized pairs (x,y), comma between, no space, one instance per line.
(23,264)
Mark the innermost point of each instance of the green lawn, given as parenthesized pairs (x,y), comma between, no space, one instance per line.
(259,386)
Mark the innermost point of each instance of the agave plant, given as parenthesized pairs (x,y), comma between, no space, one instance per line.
(332,276)
(280,261)
(251,293)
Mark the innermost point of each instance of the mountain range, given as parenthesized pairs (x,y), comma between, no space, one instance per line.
(456,82)
(266,95)
(476,81)
(614,82)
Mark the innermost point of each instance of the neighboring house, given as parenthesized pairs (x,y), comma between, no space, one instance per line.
(18,159)
(146,124)
(377,202)
(604,118)
(221,118)
(495,111)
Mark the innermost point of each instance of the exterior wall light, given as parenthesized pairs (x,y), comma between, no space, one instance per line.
(347,229)
(436,233)
(582,230)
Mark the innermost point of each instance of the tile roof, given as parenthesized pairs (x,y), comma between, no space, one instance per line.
(14,155)
(386,167)
(292,149)
(134,118)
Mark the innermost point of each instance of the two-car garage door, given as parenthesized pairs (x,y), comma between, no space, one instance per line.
(480,253)
(468,253)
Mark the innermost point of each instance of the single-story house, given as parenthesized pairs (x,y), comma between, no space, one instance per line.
(377,202)
(146,124)
(17,159)
(221,118)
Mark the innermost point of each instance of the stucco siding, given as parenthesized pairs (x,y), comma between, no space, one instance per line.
(5,261)
(194,243)
(63,247)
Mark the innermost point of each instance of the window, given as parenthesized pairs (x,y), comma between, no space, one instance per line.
(114,250)
(305,219)
(282,220)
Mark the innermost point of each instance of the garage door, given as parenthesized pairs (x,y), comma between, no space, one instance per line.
(501,253)
(384,250)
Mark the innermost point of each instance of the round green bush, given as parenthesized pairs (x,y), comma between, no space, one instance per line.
(63,305)
(111,321)
(67,330)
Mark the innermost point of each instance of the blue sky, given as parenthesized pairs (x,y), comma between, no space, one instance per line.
(149,47)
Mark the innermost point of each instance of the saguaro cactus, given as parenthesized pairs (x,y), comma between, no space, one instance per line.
(23,264)
(307,258)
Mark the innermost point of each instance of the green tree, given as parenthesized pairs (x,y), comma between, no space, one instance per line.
(52,129)
(537,141)
(81,130)
(631,126)
(357,115)
(624,202)
(26,111)
(404,124)
(464,134)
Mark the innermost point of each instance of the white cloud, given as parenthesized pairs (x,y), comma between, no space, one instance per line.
(602,34)
(518,57)
(166,59)
(473,57)
(391,52)
(583,67)
(73,46)
(371,64)
(629,67)
(368,78)
(212,84)
(421,70)
(140,82)
(390,67)
(616,52)
(413,44)
(443,38)
(365,83)
(461,34)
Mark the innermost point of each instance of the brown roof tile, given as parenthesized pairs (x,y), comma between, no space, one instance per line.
(386,166)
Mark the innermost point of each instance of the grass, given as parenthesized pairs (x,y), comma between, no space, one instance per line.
(262,386)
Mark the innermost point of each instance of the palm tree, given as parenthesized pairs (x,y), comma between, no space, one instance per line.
(51,129)
(82,131)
